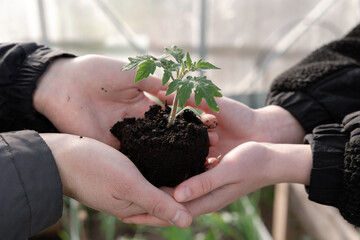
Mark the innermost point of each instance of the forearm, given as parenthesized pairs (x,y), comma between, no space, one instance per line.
(277,125)
(288,163)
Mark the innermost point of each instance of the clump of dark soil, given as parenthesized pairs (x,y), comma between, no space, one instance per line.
(165,156)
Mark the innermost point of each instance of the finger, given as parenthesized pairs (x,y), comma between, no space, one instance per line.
(122,212)
(145,219)
(211,163)
(213,138)
(161,205)
(212,201)
(151,85)
(168,190)
(209,120)
(200,185)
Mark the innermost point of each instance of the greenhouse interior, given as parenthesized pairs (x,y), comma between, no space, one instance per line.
(252,42)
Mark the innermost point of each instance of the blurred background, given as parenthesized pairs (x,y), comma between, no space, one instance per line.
(251,41)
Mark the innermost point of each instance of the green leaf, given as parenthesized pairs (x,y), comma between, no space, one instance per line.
(145,69)
(173,86)
(184,91)
(170,65)
(166,77)
(188,60)
(154,99)
(194,110)
(135,62)
(207,90)
(180,67)
(176,52)
(204,65)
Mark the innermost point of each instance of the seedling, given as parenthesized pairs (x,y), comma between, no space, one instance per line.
(180,82)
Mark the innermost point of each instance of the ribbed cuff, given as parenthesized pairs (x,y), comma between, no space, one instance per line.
(349,204)
(326,179)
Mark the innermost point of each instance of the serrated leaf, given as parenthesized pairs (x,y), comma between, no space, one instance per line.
(188,60)
(204,65)
(173,86)
(166,77)
(184,92)
(130,66)
(207,90)
(176,52)
(170,65)
(135,62)
(145,69)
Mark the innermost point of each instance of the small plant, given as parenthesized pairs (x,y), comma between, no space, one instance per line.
(164,150)
(181,83)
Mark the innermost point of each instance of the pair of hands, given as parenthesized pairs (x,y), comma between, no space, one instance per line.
(85,96)
(94,94)
(253,155)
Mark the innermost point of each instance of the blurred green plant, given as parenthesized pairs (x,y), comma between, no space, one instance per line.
(239,220)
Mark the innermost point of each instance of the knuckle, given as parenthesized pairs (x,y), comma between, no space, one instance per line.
(206,185)
(158,209)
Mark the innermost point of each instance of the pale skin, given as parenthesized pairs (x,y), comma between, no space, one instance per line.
(92,90)
(85,96)
(89,94)
(245,165)
(102,178)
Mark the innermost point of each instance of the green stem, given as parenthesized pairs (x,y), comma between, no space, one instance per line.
(175,104)
(173,111)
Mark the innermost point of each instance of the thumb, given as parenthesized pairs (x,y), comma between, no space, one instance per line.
(161,205)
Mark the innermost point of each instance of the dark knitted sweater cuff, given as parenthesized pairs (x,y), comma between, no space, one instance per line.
(349,202)
(326,179)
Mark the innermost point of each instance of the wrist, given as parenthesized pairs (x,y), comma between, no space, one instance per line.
(278,125)
(50,86)
(288,163)
(59,146)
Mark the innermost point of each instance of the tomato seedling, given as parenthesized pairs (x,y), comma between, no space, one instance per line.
(177,72)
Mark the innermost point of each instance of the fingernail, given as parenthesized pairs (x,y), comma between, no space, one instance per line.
(175,218)
(181,219)
(183,194)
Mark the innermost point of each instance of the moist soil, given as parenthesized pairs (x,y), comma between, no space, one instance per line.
(165,156)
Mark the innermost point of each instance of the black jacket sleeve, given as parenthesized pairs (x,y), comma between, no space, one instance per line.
(30,185)
(21,65)
(324,87)
(323,93)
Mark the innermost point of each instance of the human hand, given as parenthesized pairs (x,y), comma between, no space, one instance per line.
(102,178)
(244,169)
(87,95)
(237,123)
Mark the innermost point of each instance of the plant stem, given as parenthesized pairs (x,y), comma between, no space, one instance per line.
(175,104)
(173,111)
